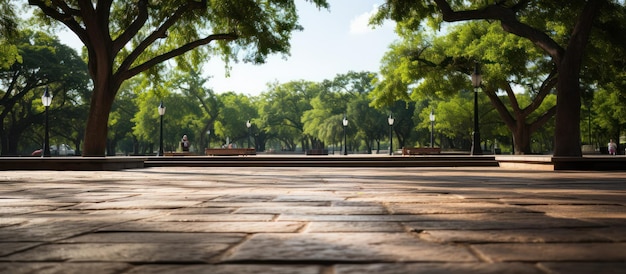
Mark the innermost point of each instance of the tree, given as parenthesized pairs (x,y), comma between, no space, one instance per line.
(125,38)
(371,123)
(236,110)
(46,63)
(323,121)
(8,30)
(190,83)
(436,67)
(534,21)
(282,108)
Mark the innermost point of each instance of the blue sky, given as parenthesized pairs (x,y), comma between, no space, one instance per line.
(333,42)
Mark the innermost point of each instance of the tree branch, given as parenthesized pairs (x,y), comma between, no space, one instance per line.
(509,23)
(66,18)
(158,33)
(548,84)
(133,28)
(123,75)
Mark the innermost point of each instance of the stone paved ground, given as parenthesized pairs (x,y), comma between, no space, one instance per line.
(308,220)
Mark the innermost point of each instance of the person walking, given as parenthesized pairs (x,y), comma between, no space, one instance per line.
(612,147)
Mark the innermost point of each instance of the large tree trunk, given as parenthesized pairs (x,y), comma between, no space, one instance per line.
(567,128)
(521,138)
(98,120)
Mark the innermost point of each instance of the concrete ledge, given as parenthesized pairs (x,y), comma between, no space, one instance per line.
(71,163)
(229,151)
(549,162)
(184,153)
(324,161)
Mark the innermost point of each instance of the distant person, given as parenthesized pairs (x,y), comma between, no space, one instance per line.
(184,143)
(612,147)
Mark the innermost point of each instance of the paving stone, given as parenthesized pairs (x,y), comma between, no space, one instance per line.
(320,227)
(325,197)
(65,268)
(12,221)
(22,202)
(227,269)
(108,215)
(215,227)
(7,248)
(410,198)
(344,247)
(600,252)
(528,201)
(156,237)
(18,210)
(214,218)
(131,204)
(122,252)
(356,218)
(437,268)
(312,220)
(48,230)
(244,198)
(496,221)
(584,268)
(455,208)
(583,211)
(314,210)
(212,204)
(617,234)
(201,210)
(515,236)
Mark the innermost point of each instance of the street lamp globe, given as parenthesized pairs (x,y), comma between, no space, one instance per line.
(476,82)
(390,121)
(248,125)
(161,110)
(344,122)
(432,128)
(46,100)
(476,76)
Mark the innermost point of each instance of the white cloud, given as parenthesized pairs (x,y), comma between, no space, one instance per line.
(359,24)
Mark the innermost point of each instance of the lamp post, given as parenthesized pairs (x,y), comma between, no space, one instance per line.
(476,81)
(432,128)
(161,109)
(390,121)
(46,99)
(208,138)
(248,125)
(345,139)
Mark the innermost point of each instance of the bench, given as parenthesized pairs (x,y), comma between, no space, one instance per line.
(229,151)
(420,150)
(317,151)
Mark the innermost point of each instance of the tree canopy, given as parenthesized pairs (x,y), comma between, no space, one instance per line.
(560,29)
(125,38)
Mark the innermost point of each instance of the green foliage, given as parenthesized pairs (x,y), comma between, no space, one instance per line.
(236,110)
(125,38)
(282,108)
(45,63)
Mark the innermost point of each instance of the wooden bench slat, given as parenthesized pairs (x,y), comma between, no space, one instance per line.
(420,150)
